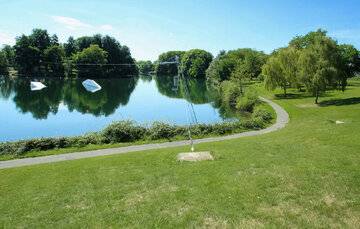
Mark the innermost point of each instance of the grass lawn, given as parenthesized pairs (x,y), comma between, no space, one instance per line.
(306,175)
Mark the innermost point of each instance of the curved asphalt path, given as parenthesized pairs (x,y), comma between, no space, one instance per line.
(281,120)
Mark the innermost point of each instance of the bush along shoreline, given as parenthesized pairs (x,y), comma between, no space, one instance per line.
(131,132)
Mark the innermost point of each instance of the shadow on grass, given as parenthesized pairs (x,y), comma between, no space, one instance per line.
(340,102)
(292,96)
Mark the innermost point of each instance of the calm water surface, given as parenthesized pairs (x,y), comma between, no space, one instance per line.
(66,108)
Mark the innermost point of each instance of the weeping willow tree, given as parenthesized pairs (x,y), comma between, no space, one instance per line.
(281,69)
(318,67)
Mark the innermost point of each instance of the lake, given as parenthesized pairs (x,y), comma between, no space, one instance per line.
(66,108)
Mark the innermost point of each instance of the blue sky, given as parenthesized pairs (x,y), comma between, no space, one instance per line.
(152,27)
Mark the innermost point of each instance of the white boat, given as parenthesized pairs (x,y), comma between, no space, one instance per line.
(91,85)
(36,86)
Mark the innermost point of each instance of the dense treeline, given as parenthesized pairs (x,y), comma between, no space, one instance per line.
(91,56)
(145,67)
(314,61)
(192,63)
(162,65)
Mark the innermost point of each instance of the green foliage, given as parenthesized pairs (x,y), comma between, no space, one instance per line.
(3,64)
(318,65)
(123,131)
(302,42)
(240,64)
(40,39)
(195,62)
(34,52)
(41,53)
(116,54)
(10,54)
(263,114)
(229,93)
(281,69)
(168,69)
(349,64)
(247,102)
(27,56)
(53,56)
(315,61)
(70,47)
(160,130)
(145,67)
(89,61)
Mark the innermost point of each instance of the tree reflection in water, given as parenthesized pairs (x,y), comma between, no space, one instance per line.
(40,104)
(115,92)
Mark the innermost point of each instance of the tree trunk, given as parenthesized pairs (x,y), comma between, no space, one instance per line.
(241,87)
(343,85)
(285,91)
(316,96)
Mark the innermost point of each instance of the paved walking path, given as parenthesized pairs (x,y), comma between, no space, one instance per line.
(281,120)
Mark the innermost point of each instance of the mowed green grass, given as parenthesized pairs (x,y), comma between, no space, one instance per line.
(306,175)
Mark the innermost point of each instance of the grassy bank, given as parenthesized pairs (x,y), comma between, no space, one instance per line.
(125,133)
(306,175)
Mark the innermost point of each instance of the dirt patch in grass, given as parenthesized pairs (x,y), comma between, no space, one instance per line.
(135,198)
(308,105)
(210,222)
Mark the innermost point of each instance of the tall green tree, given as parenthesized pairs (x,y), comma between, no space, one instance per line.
(10,54)
(318,65)
(40,39)
(54,40)
(230,64)
(195,62)
(281,69)
(118,56)
(54,57)
(164,68)
(348,65)
(70,47)
(27,57)
(90,61)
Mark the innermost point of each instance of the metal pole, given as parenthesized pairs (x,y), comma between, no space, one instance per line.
(186,94)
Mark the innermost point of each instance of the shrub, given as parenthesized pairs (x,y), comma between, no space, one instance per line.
(248,101)
(160,130)
(262,114)
(201,129)
(229,93)
(123,131)
(223,128)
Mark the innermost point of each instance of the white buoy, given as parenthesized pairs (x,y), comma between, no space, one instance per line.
(91,85)
(36,86)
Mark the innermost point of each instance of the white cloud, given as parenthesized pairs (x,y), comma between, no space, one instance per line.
(5,38)
(75,24)
(106,27)
(71,23)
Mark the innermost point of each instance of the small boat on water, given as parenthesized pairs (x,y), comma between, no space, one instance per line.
(91,85)
(36,86)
